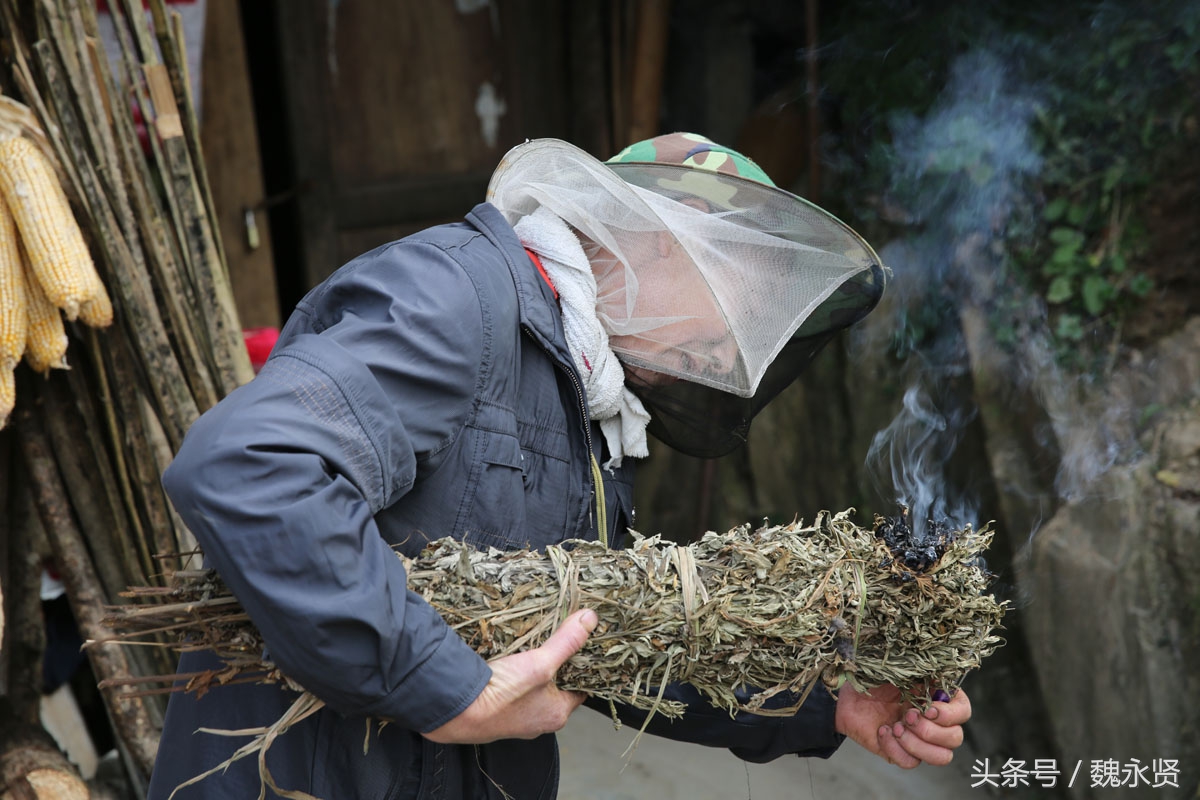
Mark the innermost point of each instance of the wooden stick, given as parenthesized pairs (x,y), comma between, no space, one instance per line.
(98,522)
(6,535)
(161,251)
(212,282)
(161,368)
(130,717)
(169,29)
(26,637)
(32,767)
(649,58)
(137,558)
(144,478)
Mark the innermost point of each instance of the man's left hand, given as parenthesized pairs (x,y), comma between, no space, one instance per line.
(882,723)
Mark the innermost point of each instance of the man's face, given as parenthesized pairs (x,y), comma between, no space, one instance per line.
(673,323)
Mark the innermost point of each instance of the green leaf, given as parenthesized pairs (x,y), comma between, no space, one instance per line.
(1148,412)
(1141,284)
(1055,209)
(1069,327)
(1112,176)
(1066,236)
(1117,263)
(1067,257)
(1077,214)
(1096,293)
(1060,290)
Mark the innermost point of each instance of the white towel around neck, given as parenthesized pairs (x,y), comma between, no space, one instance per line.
(623,418)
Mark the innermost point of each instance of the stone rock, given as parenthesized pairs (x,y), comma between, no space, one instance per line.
(1113,619)
(1113,612)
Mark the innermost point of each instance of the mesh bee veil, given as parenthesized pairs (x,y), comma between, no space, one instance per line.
(705,272)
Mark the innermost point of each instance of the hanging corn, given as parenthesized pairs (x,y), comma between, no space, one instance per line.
(14,317)
(14,313)
(46,342)
(45,266)
(53,240)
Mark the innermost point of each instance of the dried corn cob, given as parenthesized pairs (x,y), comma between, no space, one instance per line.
(97,311)
(57,251)
(8,393)
(46,343)
(14,312)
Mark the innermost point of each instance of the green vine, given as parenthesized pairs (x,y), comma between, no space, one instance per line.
(1107,95)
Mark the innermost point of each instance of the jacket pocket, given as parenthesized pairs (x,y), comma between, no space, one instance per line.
(392,768)
(493,509)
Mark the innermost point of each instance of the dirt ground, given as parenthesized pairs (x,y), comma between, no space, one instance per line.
(594,768)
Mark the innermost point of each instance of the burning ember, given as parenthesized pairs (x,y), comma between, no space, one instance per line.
(917,552)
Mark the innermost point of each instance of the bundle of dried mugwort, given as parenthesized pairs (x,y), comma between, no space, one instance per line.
(769,610)
(774,608)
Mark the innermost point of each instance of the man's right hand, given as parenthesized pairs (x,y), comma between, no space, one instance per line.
(521,700)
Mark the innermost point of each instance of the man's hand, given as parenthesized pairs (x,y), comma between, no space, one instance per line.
(521,700)
(881,723)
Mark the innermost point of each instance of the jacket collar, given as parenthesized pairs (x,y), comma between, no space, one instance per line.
(535,300)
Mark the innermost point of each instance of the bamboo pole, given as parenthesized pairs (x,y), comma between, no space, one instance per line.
(212,283)
(24,79)
(118,486)
(90,89)
(6,535)
(66,432)
(97,444)
(144,471)
(160,366)
(169,112)
(160,248)
(130,717)
(172,44)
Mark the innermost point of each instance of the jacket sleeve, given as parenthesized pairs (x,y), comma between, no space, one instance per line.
(280,482)
(809,732)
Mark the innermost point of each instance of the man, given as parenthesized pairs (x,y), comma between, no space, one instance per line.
(493,380)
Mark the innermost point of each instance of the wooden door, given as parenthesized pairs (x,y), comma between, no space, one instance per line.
(395,112)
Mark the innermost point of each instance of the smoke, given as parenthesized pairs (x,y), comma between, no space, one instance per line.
(957,178)
(962,176)
(960,167)
(916,449)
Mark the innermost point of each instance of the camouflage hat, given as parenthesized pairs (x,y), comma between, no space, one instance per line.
(691,150)
(688,164)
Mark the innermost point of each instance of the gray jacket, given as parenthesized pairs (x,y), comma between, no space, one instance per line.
(422,391)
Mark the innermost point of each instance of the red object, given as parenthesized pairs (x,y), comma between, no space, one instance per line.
(542,271)
(259,342)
